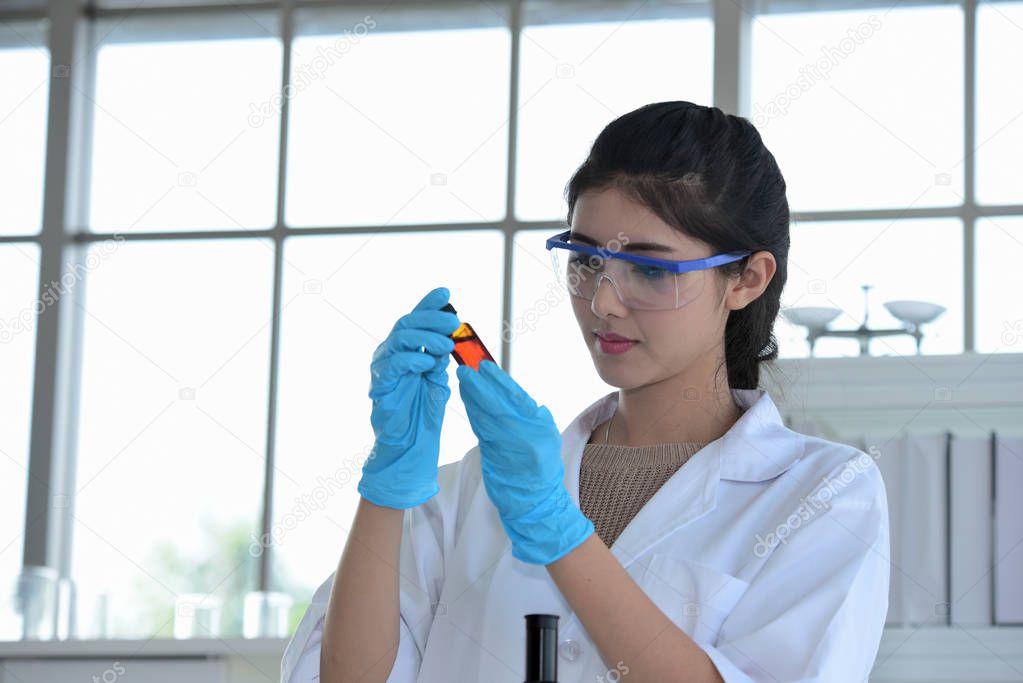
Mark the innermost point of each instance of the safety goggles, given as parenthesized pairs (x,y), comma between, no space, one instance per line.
(641,282)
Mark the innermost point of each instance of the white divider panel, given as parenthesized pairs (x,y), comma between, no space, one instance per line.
(914,472)
(971,537)
(926,531)
(891,463)
(1009,530)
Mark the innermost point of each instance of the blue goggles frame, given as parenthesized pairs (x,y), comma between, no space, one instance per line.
(560,241)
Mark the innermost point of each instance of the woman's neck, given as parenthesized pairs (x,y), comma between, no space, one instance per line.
(664,413)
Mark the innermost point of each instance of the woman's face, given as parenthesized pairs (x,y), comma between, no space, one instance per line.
(669,342)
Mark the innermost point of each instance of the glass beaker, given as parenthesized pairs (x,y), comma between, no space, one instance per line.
(196,615)
(266,614)
(66,598)
(35,600)
(91,614)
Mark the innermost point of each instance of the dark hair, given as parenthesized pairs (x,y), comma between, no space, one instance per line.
(707,174)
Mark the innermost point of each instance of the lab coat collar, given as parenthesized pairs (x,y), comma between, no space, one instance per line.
(756,448)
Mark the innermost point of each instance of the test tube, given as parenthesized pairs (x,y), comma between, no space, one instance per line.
(469,350)
(541,648)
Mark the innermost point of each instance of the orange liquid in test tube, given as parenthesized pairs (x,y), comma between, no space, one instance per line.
(469,350)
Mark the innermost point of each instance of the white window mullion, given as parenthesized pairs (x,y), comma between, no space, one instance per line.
(732,20)
(969,164)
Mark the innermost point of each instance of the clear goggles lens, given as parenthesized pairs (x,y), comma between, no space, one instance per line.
(639,286)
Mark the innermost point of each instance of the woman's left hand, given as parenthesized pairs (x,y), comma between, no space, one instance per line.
(523,472)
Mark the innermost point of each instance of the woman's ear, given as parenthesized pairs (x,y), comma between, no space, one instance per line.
(760,268)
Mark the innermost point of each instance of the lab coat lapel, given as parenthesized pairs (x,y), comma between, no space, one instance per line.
(759,446)
(754,449)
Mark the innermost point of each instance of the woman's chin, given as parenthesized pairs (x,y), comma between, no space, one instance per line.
(616,373)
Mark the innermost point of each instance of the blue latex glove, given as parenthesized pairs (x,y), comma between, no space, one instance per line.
(409,388)
(520,455)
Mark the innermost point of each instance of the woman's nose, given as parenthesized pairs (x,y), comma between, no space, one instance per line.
(607,299)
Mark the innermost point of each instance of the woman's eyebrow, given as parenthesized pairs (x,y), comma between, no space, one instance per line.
(631,246)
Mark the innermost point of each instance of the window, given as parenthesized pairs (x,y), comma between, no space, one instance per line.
(999,309)
(341,297)
(24,75)
(19,270)
(172,427)
(879,91)
(862,108)
(176,145)
(999,103)
(24,79)
(584,64)
(392,121)
(829,263)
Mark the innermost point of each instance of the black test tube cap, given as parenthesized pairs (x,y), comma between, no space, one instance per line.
(541,648)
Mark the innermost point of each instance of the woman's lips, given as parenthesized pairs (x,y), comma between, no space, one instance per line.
(615,344)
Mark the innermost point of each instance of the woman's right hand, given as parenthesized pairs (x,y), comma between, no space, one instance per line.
(409,388)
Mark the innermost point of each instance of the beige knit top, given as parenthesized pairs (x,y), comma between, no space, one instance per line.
(616,481)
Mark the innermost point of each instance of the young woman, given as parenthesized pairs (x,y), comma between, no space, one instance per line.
(680,531)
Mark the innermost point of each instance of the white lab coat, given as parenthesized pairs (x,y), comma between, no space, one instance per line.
(706,548)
